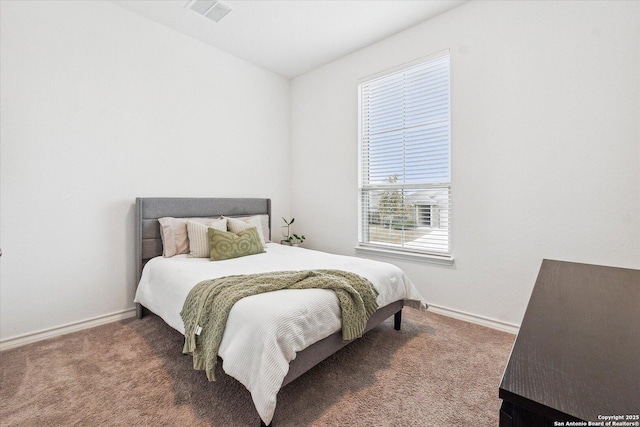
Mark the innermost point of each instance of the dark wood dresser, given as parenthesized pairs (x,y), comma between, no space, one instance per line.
(577,354)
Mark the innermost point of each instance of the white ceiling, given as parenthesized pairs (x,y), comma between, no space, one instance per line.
(292,37)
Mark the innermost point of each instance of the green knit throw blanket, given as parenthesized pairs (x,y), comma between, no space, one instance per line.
(208,304)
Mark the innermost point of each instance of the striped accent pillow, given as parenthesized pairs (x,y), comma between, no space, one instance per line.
(199,236)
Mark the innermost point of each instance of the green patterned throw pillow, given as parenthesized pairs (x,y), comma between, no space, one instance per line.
(227,245)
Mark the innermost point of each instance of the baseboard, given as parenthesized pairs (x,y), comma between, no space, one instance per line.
(474,318)
(131,312)
(32,337)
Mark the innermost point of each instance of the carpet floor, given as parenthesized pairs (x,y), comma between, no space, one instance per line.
(436,371)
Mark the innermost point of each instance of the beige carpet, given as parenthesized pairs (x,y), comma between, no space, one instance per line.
(437,371)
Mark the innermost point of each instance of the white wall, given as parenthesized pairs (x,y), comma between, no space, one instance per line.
(98,106)
(545,145)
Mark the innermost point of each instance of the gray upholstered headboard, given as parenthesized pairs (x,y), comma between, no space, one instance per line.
(149,209)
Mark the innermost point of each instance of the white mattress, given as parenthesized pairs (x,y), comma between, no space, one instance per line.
(264,332)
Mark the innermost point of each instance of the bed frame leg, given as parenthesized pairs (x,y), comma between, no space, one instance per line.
(139,312)
(397,320)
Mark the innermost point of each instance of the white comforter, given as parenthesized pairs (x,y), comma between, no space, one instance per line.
(265,331)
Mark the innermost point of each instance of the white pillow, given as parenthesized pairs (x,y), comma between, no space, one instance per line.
(199,236)
(236,225)
(264,221)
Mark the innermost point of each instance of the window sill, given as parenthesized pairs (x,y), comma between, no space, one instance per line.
(434,259)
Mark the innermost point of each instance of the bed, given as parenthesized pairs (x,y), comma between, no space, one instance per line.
(263,357)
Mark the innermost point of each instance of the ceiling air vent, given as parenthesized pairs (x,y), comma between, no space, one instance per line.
(212,9)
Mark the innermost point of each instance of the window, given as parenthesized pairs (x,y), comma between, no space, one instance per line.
(405,173)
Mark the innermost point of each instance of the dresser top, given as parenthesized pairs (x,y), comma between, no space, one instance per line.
(578,350)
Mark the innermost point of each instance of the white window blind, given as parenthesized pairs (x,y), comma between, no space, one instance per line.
(405,176)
